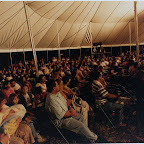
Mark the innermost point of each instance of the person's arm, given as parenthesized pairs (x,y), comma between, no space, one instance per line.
(111,96)
(70,112)
(67,114)
(4,139)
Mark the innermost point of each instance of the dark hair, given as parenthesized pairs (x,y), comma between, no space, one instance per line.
(11,98)
(50,85)
(2,97)
(96,75)
(5,83)
(12,80)
(24,86)
(40,77)
(65,79)
(38,90)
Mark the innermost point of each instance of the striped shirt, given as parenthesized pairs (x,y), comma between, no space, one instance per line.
(99,92)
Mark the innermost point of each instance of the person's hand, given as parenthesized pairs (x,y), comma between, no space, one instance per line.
(74,93)
(3,110)
(4,138)
(40,105)
(73,112)
(69,101)
(33,106)
(11,111)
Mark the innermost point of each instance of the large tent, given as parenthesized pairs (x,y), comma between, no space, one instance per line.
(68,24)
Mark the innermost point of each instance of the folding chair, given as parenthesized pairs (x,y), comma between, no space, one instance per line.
(61,132)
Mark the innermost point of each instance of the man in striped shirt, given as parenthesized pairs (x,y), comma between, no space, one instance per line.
(101,95)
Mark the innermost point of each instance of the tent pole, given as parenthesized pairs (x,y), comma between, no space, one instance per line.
(24,56)
(80,52)
(31,36)
(11,59)
(47,55)
(136,30)
(69,52)
(120,49)
(59,56)
(91,40)
(130,36)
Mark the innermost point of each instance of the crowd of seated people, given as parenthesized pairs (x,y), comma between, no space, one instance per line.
(62,89)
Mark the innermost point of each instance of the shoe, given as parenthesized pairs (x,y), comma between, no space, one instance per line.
(40,138)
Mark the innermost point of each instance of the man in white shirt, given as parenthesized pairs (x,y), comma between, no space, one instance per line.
(64,116)
(15,86)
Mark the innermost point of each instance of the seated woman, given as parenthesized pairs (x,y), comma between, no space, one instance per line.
(10,121)
(39,99)
(27,99)
(6,89)
(42,83)
(13,100)
(79,75)
(24,81)
(83,109)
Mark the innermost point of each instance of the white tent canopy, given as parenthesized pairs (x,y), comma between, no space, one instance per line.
(73,21)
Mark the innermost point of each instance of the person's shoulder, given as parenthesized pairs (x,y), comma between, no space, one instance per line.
(96,81)
(38,84)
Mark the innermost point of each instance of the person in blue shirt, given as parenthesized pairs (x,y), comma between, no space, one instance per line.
(63,116)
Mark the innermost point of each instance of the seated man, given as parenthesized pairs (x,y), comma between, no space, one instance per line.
(64,116)
(101,95)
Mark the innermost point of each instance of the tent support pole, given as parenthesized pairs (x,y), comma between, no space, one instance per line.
(69,52)
(11,59)
(47,55)
(24,56)
(121,50)
(91,40)
(31,36)
(130,36)
(136,30)
(59,56)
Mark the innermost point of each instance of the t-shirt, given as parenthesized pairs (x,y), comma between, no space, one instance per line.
(16,87)
(56,105)
(28,100)
(99,92)
(43,87)
(7,92)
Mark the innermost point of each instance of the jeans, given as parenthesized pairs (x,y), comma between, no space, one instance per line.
(109,106)
(78,125)
(32,129)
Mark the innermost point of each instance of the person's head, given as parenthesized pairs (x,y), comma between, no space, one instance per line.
(13,83)
(52,86)
(66,80)
(60,83)
(61,68)
(24,89)
(79,84)
(24,79)
(6,84)
(38,90)
(97,76)
(3,100)
(136,64)
(42,79)
(13,99)
(40,68)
